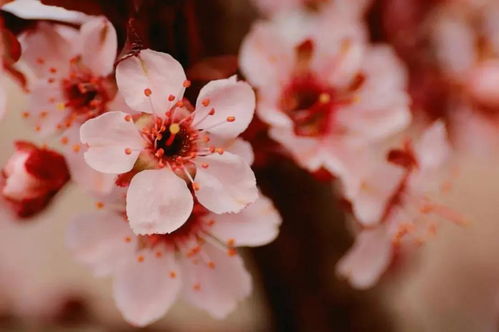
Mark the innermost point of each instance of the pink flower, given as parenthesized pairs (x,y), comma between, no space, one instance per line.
(465,39)
(31,178)
(321,88)
(72,79)
(407,214)
(172,142)
(197,262)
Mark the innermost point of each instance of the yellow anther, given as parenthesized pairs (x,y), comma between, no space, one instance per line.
(174,128)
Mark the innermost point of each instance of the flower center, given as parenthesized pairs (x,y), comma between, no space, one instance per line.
(85,94)
(309,105)
(175,141)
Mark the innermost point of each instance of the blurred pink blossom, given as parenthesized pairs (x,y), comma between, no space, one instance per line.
(409,213)
(197,262)
(30,179)
(321,87)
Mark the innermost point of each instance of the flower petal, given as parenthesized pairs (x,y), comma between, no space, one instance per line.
(42,59)
(81,173)
(158,72)
(234,105)
(99,45)
(235,146)
(256,225)
(145,288)
(158,201)
(108,137)
(267,54)
(433,149)
(227,184)
(367,259)
(218,285)
(102,240)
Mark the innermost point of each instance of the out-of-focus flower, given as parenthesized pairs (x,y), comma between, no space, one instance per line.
(272,7)
(31,178)
(72,82)
(72,79)
(172,144)
(197,262)
(409,213)
(321,87)
(464,38)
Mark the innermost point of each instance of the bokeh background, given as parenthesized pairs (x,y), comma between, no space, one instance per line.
(451,283)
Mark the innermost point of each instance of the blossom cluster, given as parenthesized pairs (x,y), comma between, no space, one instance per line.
(172,176)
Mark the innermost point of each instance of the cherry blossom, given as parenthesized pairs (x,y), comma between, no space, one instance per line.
(172,142)
(464,38)
(31,178)
(321,87)
(408,214)
(197,262)
(71,80)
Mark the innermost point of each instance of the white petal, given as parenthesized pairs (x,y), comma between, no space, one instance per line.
(108,136)
(102,240)
(156,71)
(99,45)
(367,259)
(227,185)
(145,290)
(256,225)
(229,98)
(158,201)
(219,288)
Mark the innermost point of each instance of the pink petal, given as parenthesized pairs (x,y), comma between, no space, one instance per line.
(216,288)
(256,225)
(100,240)
(234,105)
(158,202)
(227,184)
(367,259)
(108,137)
(43,112)
(81,173)
(265,57)
(368,182)
(306,150)
(144,288)
(433,149)
(158,72)
(99,45)
(382,108)
(41,58)
(236,146)
(242,149)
